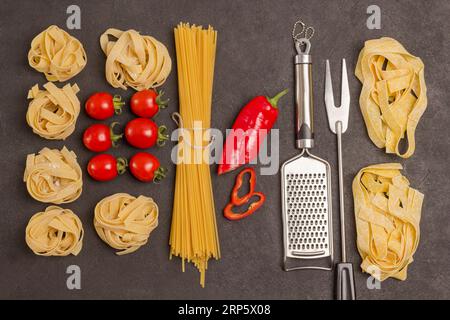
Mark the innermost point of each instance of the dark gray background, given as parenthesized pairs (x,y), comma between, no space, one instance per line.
(254,56)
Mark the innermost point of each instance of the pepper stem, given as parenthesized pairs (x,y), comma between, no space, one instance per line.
(118,104)
(162,136)
(122,165)
(274,101)
(114,137)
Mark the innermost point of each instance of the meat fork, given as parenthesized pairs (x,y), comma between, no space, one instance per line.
(338,122)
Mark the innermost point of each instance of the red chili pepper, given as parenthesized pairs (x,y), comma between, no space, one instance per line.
(239,201)
(249,130)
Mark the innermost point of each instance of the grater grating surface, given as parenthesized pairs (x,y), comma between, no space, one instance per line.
(307,211)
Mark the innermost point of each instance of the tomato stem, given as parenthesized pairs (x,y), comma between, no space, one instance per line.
(274,101)
(162,136)
(122,165)
(114,137)
(118,104)
(161,103)
(159,174)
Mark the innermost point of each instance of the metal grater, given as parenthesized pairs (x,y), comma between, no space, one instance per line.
(307,224)
(305,184)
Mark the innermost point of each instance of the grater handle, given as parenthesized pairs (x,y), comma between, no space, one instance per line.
(304,101)
(345,286)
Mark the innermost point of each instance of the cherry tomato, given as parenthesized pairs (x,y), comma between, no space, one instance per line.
(144,133)
(105,167)
(145,167)
(102,105)
(146,103)
(100,137)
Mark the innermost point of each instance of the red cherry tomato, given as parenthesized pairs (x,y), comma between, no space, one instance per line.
(145,167)
(102,105)
(105,167)
(100,137)
(144,133)
(146,103)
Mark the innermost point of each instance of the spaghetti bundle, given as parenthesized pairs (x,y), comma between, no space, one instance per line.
(193,235)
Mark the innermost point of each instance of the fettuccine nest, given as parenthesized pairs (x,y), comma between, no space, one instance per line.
(53,112)
(53,176)
(393,96)
(57,54)
(387,213)
(134,60)
(54,232)
(125,222)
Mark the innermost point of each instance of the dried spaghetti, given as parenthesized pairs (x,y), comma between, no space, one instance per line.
(193,235)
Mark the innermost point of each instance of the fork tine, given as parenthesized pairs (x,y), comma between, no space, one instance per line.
(345,91)
(329,99)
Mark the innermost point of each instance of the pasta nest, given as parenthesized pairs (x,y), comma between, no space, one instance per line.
(393,97)
(55,232)
(53,176)
(53,112)
(57,54)
(125,222)
(387,213)
(134,60)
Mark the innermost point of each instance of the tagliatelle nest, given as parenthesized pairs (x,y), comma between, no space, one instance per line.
(57,54)
(54,232)
(134,60)
(53,176)
(387,213)
(394,95)
(53,112)
(125,222)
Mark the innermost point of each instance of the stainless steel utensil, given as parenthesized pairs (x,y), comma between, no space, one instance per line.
(338,122)
(305,182)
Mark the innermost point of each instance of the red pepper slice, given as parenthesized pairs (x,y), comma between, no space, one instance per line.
(230,215)
(236,200)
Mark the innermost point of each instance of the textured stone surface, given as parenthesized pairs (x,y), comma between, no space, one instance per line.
(254,56)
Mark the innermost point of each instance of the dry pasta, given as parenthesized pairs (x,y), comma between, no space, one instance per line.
(193,235)
(54,232)
(125,222)
(387,213)
(134,60)
(57,54)
(53,112)
(53,176)
(394,94)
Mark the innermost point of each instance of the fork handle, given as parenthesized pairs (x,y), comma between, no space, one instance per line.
(304,101)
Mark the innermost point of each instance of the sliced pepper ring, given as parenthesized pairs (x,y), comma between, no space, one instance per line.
(235,199)
(230,215)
